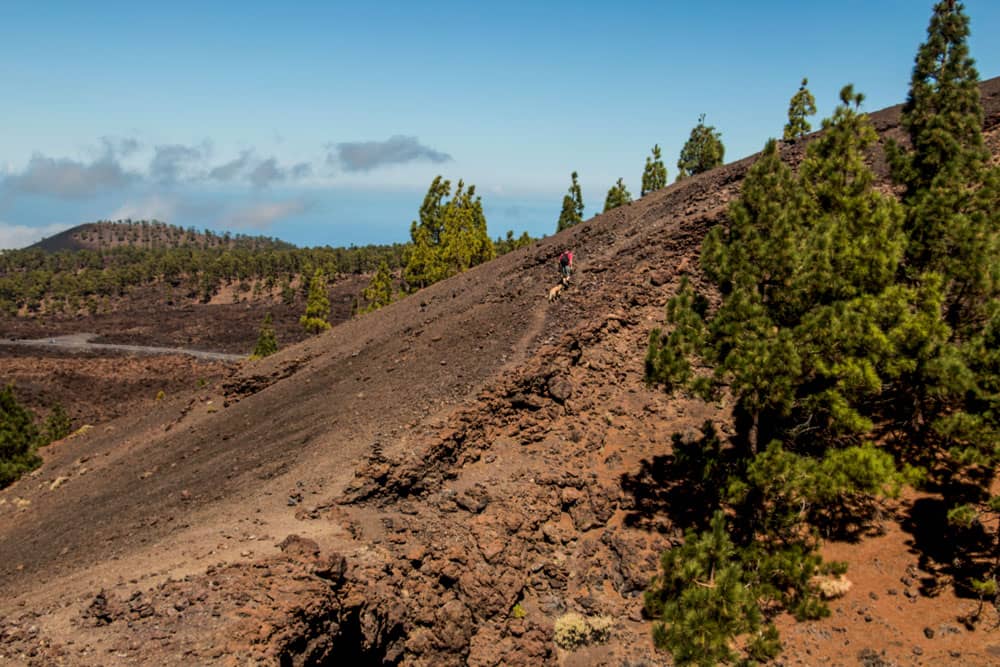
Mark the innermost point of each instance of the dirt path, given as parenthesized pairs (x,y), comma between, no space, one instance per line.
(81,342)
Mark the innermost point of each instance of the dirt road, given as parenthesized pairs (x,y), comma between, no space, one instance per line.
(81,342)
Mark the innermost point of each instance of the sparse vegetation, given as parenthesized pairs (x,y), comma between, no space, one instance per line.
(57,425)
(40,282)
(508,244)
(573,631)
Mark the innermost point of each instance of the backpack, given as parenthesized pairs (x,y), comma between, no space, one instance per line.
(564,259)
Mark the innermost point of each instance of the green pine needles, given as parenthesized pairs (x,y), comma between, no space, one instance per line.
(267,340)
(801,106)
(450,237)
(316,318)
(702,151)
(952,199)
(654,176)
(20,436)
(618,195)
(572,206)
(380,290)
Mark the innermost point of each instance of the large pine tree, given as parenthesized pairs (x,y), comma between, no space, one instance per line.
(465,241)
(811,331)
(424,265)
(951,195)
(450,237)
(807,266)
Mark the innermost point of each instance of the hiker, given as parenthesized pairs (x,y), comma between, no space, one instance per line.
(566,265)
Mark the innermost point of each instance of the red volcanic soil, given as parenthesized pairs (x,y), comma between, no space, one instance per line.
(435,483)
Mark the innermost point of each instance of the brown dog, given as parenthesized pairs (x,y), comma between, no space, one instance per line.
(554,292)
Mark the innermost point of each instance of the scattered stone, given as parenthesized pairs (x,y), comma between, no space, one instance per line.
(559,388)
(929,633)
(300,548)
(57,482)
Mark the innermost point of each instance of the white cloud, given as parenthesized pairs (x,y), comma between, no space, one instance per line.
(171,161)
(260,216)
(20,236)
(153,207)
(66,178)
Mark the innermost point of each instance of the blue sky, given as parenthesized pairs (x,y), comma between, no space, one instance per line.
(324,123)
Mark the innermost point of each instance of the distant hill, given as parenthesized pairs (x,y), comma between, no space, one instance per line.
(107,234)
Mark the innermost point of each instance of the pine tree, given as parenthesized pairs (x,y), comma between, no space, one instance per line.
(424,266)
(703,150)
(701,599)
(952,198)
(802,105)
(465,241)
(315,319)
(808,266)
(951,194)
(509,244)
(618,195)
(18,438)
(267,340)
(57,425)
(451,236)
(572,206)
(380,290)
(811,332)
(654,176)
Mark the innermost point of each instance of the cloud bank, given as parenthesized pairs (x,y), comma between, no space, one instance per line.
(368,155)
(69,179)
(262,215)
(21,236)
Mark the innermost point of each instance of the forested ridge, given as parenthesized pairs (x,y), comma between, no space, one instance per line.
(35,280)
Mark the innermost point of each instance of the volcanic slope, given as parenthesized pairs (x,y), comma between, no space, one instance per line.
(435,483)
